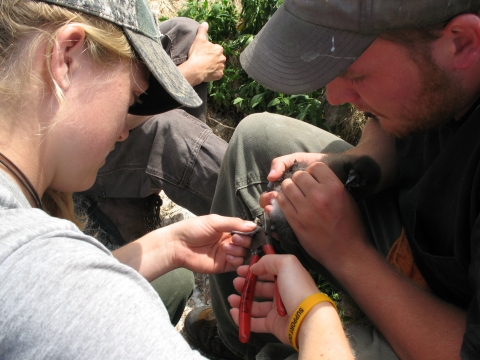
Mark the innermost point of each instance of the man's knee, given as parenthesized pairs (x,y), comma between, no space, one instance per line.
(286,135)
(255,127)
(184,23)
(187,23)
(260,122)
(178,37)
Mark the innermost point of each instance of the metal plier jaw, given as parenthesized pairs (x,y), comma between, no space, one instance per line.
(260,235)
(261,244)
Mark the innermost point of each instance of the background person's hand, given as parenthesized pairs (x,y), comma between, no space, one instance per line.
(204,244)
(206,61)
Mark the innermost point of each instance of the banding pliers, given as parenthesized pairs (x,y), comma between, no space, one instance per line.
(261,244)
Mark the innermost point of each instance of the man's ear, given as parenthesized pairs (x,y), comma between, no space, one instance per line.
(464,32)
(66,54)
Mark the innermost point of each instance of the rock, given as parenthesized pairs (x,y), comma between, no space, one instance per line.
(170,212)
(221,130)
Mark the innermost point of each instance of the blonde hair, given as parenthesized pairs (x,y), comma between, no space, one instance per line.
(24,26)
(60,204)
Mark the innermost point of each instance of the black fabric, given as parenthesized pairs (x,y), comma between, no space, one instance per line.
(155,100)
(439,205)
(178,36)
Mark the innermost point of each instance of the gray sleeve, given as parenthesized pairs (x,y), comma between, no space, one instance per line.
(64,298)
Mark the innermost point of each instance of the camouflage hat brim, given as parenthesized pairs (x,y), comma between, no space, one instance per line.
(166,74)
(168,88)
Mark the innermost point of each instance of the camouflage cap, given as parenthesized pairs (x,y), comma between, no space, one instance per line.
(168,87)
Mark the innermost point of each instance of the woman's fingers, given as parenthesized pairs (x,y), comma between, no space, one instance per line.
(259,309)
(263,289)
(234,250)
(243,241)
(257,324)
(243,270)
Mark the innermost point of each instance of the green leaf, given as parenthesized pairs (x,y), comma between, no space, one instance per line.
(237,100)
(257,99)
(274,102)
(304,111)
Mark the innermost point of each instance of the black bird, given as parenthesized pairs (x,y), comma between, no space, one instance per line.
(359,174)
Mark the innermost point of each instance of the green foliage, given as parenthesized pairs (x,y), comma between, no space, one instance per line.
(236,94)
(254,97)
(327,288)
(256,13)
(221,16)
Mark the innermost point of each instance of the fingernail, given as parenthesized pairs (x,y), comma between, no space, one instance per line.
(250,223)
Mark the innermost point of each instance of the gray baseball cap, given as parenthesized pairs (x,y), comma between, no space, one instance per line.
(308,43)
(168,88)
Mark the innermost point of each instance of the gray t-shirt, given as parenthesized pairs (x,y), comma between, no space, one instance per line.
(63,295)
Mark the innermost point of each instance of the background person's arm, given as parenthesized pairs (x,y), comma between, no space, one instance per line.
(205,61)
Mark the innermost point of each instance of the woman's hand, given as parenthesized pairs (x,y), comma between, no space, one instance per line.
(320,333)
(204,244)
(294,283)
(201,244)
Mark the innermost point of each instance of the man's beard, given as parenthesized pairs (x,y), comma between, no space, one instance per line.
(434,104)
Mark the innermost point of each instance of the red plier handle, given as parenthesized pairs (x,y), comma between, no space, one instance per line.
(261,237)
(246,303)
(269,250)
(246,299)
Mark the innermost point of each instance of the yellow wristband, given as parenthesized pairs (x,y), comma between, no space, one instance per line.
(300,314)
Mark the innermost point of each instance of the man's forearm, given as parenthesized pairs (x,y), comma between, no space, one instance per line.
(190,73)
